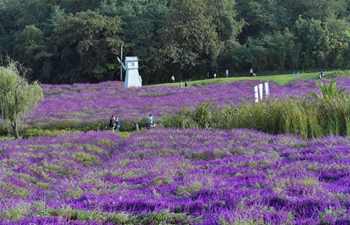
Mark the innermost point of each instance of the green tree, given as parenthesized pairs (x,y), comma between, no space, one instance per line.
(17,96)
(189,34)
(338,39)
(262,17)
(275,52)
(74,6)
(310,34)
(197,32)
(311,9)
(85,45)
(32,49)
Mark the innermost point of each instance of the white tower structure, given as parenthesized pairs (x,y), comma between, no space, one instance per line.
(132,77)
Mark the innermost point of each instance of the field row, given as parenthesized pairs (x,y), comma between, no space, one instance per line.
(169,175)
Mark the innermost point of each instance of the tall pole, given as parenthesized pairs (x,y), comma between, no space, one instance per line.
(121,58)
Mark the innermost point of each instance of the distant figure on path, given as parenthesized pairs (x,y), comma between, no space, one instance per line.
(214,75)
(320,75)
(186,84)
(251,72)
(172,79)
(226,73)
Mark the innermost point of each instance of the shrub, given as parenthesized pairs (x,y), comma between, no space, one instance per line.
(99,124)
(34,132)
(60,125)
(54,129)
(309,119)
(202,115)
(180,119)
(329,90)
(129,124)
(338,73)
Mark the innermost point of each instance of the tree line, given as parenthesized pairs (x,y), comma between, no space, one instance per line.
(70,41)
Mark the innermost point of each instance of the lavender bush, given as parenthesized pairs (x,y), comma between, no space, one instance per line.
(175,177)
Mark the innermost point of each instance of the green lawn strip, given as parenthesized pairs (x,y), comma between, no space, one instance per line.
(280,79)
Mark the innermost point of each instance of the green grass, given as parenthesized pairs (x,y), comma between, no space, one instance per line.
(124,135)
(6,138)
(280,79)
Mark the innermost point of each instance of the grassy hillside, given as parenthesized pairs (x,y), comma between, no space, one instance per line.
(280,79)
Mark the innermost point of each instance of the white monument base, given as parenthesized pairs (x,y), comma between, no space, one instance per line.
(132,78)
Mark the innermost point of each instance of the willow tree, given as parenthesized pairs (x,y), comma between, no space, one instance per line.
(17,96)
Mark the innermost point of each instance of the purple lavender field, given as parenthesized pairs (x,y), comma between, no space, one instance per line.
(97,101)
(213,177)
(171,176)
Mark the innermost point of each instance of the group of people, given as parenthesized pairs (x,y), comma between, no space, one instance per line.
(173,80)
(214,75)
(251,73)
(114,123)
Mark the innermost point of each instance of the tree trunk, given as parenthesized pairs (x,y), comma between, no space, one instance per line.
(15,129)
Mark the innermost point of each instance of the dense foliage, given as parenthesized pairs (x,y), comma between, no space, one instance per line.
(73,41)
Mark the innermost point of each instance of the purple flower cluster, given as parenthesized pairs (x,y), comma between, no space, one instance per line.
(97,101)
(237,176)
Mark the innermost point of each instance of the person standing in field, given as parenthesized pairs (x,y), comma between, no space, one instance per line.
(172,79)
(251,72)
(117,124)
(150,120)
(226,73)
(111,122)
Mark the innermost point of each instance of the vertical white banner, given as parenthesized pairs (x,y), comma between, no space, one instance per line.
(267,89)
(261,91)
(256,93)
